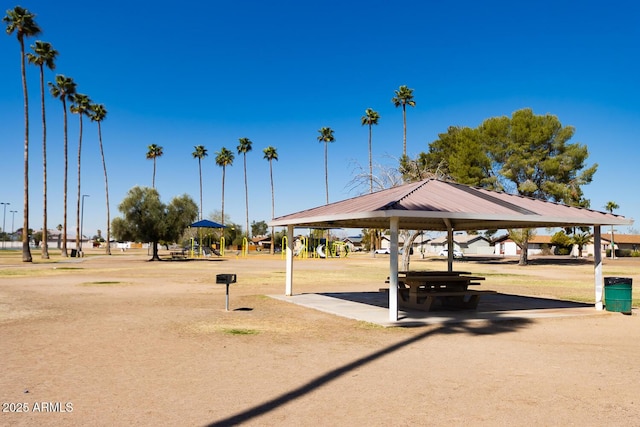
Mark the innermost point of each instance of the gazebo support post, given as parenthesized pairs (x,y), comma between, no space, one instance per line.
(450,247)
(597,264)
(289,261)
(393,270)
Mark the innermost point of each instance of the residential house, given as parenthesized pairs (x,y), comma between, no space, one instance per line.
(538,245)
(468,244)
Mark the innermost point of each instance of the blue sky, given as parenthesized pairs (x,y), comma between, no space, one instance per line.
(208,73)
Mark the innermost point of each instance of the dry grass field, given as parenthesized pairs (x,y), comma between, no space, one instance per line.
(120,340)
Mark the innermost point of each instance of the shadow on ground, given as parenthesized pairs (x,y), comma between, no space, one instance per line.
(468,328)
(488,303)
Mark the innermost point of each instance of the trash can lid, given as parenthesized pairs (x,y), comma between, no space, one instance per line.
(617,280)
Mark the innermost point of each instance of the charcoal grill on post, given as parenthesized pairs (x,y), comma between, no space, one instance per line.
(226,279)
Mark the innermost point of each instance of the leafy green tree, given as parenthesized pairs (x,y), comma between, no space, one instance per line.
(524,154)
(610,207)
(326,136)
(200,152)
(459,155)
(270,154)
(44,55)
(98,114)
(369,119)
(259,228)
(562,242)
(64,88)
(145,218)
(404,97)
(535,158)
(153,152)
(81,106)
(224,158)
(243,148)
(21,22)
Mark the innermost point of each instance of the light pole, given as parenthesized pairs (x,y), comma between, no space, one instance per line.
(4,236)
(81,223)
(13,230)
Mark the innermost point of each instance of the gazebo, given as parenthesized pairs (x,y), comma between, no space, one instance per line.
(444,206)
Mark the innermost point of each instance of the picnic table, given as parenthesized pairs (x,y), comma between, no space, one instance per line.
(421,290)
(181,254)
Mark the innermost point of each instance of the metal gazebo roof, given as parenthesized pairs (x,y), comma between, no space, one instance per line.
(430,204)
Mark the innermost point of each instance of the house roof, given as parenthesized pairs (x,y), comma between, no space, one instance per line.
(630,239)
(431,204)
(460,238)
(538,239)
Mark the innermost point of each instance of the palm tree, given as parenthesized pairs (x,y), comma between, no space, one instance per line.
(610,206)
(200,153)
(581,240)
(326,136)
(224,158)
(370,118)
(45,55)
(243,148)
(154,151)
(81,106)
(64,88)
(271,154)
(98,114)
(404,97)
(20,21)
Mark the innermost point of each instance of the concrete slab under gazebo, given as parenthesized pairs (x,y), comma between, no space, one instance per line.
(444,206)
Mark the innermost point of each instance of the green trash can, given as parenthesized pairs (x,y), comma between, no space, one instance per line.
(617,294)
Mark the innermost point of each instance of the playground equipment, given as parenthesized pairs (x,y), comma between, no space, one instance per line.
(245,247)
(222,245)
(284,246)
(303,252)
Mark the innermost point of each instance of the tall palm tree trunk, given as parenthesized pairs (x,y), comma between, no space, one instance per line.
(370,163)
(404,127)
(26,252)
(78,236)
(153,179)
(200,173)
(106,190)
(326,171)
(272,251)
(66,182)
(45,237)
(223,174)
(246,195)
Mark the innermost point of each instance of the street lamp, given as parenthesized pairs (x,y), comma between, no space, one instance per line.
(13,230)
(4,236)
(81,223)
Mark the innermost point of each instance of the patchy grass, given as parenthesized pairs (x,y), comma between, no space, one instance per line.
(238,331)
(104,283)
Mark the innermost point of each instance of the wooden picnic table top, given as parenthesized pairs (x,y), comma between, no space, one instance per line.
(432,273)
(438,279)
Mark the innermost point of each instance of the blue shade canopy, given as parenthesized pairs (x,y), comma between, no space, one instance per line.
(205,223)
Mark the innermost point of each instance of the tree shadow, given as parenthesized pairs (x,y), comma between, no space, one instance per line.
(469,328)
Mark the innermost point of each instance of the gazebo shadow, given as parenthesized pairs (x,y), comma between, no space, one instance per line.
(373,307)
(488,303)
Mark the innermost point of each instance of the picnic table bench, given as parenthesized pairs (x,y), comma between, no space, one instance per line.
(421,290)
(181,254)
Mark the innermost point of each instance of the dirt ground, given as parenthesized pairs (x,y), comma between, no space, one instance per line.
(118,340)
